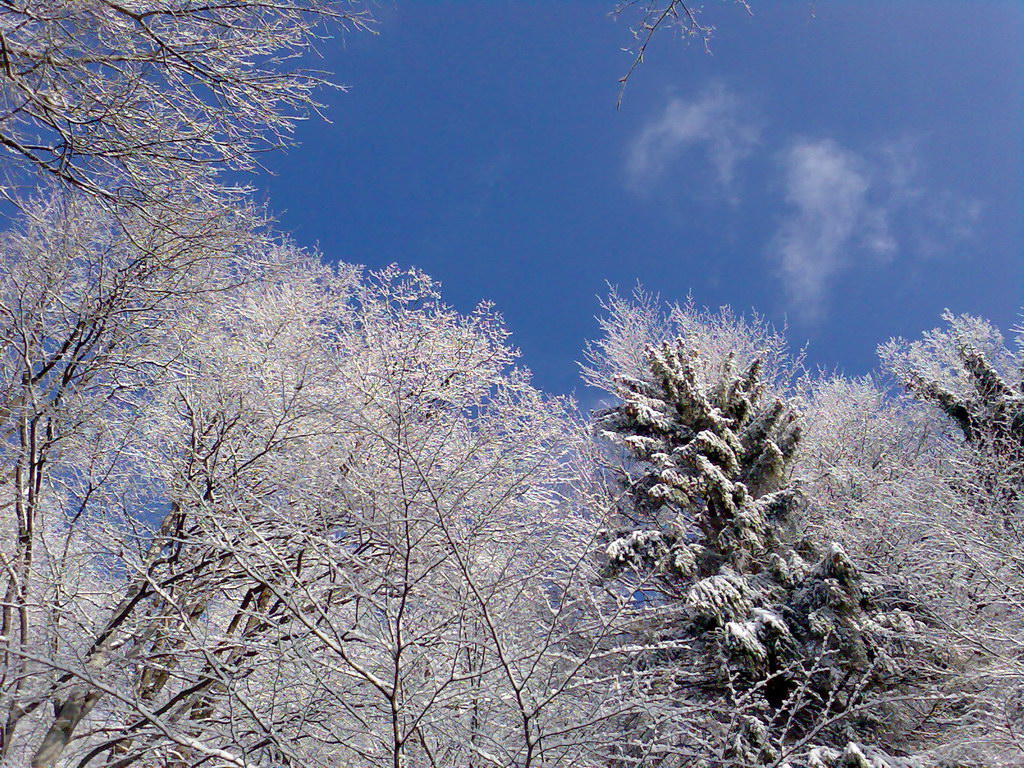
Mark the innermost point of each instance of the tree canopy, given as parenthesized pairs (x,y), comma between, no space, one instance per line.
(260,510)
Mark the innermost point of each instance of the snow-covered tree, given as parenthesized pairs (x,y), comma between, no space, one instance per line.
(139,102)
(960,527)
(778,651)
(89,309)
(259,511)
(428,609)
(970,374)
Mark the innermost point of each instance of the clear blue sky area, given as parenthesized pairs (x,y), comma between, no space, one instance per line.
(851,168)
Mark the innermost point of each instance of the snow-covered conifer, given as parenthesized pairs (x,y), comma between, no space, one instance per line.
(788,647)
(970,374)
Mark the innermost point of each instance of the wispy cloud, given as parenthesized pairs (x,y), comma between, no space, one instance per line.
(827,188)
(845,209)
(849,210)
(717,123)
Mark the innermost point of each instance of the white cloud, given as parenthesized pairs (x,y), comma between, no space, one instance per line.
(827,188)
(717,122)
(848,211)
(845,210)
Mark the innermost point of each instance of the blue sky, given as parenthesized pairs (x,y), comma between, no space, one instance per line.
(853,172)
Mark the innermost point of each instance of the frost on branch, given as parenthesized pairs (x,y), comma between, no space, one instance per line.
(786,644)
(968,372)
(969,383)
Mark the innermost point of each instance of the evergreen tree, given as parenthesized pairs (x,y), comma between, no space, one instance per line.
(970,374)
(794,653)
